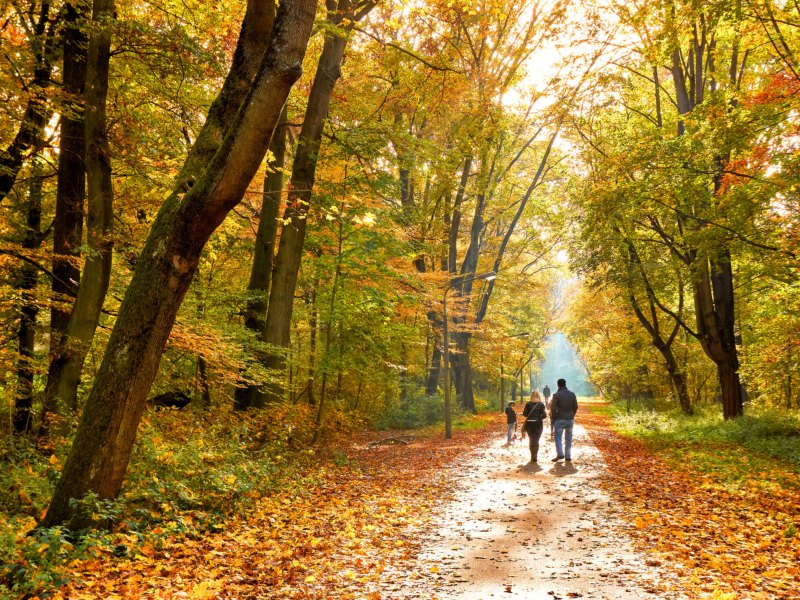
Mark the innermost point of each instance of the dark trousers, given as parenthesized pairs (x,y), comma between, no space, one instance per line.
(534,431)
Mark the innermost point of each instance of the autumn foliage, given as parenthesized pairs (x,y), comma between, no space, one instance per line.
(724,519)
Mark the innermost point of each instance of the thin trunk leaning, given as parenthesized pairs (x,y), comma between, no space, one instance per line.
(70,193)
(30,135)
(29,308)
(263,255)
(100,217)
(293,233)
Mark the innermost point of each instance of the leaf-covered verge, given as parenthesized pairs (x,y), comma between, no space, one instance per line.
(718,502)
(244,510)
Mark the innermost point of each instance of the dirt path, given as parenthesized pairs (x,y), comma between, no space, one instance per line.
(518,530)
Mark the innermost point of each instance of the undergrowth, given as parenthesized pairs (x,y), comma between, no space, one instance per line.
(765,434)
(189,472)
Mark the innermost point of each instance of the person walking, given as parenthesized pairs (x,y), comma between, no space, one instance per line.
(534,413)
(548,406)
(511,420)
(564,408)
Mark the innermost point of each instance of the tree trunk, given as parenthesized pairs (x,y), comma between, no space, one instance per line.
(293,233)
(714,301)
(652,326)
(28,308)
(712,274)
(100,217)
(329,322)
(313,325)
(202,375)
(455,220)
(100,453)
(358,392)
(676,375)
(30,135)
(261,273)
(462,371)
(70,192)
(435,371)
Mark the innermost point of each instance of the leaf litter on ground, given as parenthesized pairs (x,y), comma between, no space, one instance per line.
(725,519)
(352,521)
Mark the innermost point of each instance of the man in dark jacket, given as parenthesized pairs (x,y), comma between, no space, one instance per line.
(564,406)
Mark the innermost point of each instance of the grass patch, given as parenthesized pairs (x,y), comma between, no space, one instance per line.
(743,448)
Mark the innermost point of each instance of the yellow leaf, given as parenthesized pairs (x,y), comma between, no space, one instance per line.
(53,459)
(434,569)
(206,589)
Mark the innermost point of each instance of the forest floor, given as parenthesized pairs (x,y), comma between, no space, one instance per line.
(469,518)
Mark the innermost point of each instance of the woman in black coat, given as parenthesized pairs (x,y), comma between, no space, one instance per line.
(534,414)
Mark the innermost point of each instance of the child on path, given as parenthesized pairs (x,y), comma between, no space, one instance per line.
(511,421)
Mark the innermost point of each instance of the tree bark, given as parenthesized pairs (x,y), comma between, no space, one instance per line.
(651,325)
(329,322)
(293,233)
(100,453)
(28,307)
(264,252)
(455,220)
(313,325)
(462,367)
(100,217)
(712,274)
(714,302)
(30,135)
(435,371)
(202,374)
(70,192)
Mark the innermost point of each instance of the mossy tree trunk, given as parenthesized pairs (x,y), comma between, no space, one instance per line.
(100,453)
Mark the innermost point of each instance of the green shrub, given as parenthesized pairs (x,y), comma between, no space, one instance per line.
(762,430)
(418,410)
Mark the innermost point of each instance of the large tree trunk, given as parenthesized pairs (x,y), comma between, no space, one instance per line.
(293,233)
(70,192)
(29,308)
(264,252)
(712,275)
(714,306)
(100,453)
(97,269)
(29,137)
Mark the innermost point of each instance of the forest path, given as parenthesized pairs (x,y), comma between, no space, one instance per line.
(521,530)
